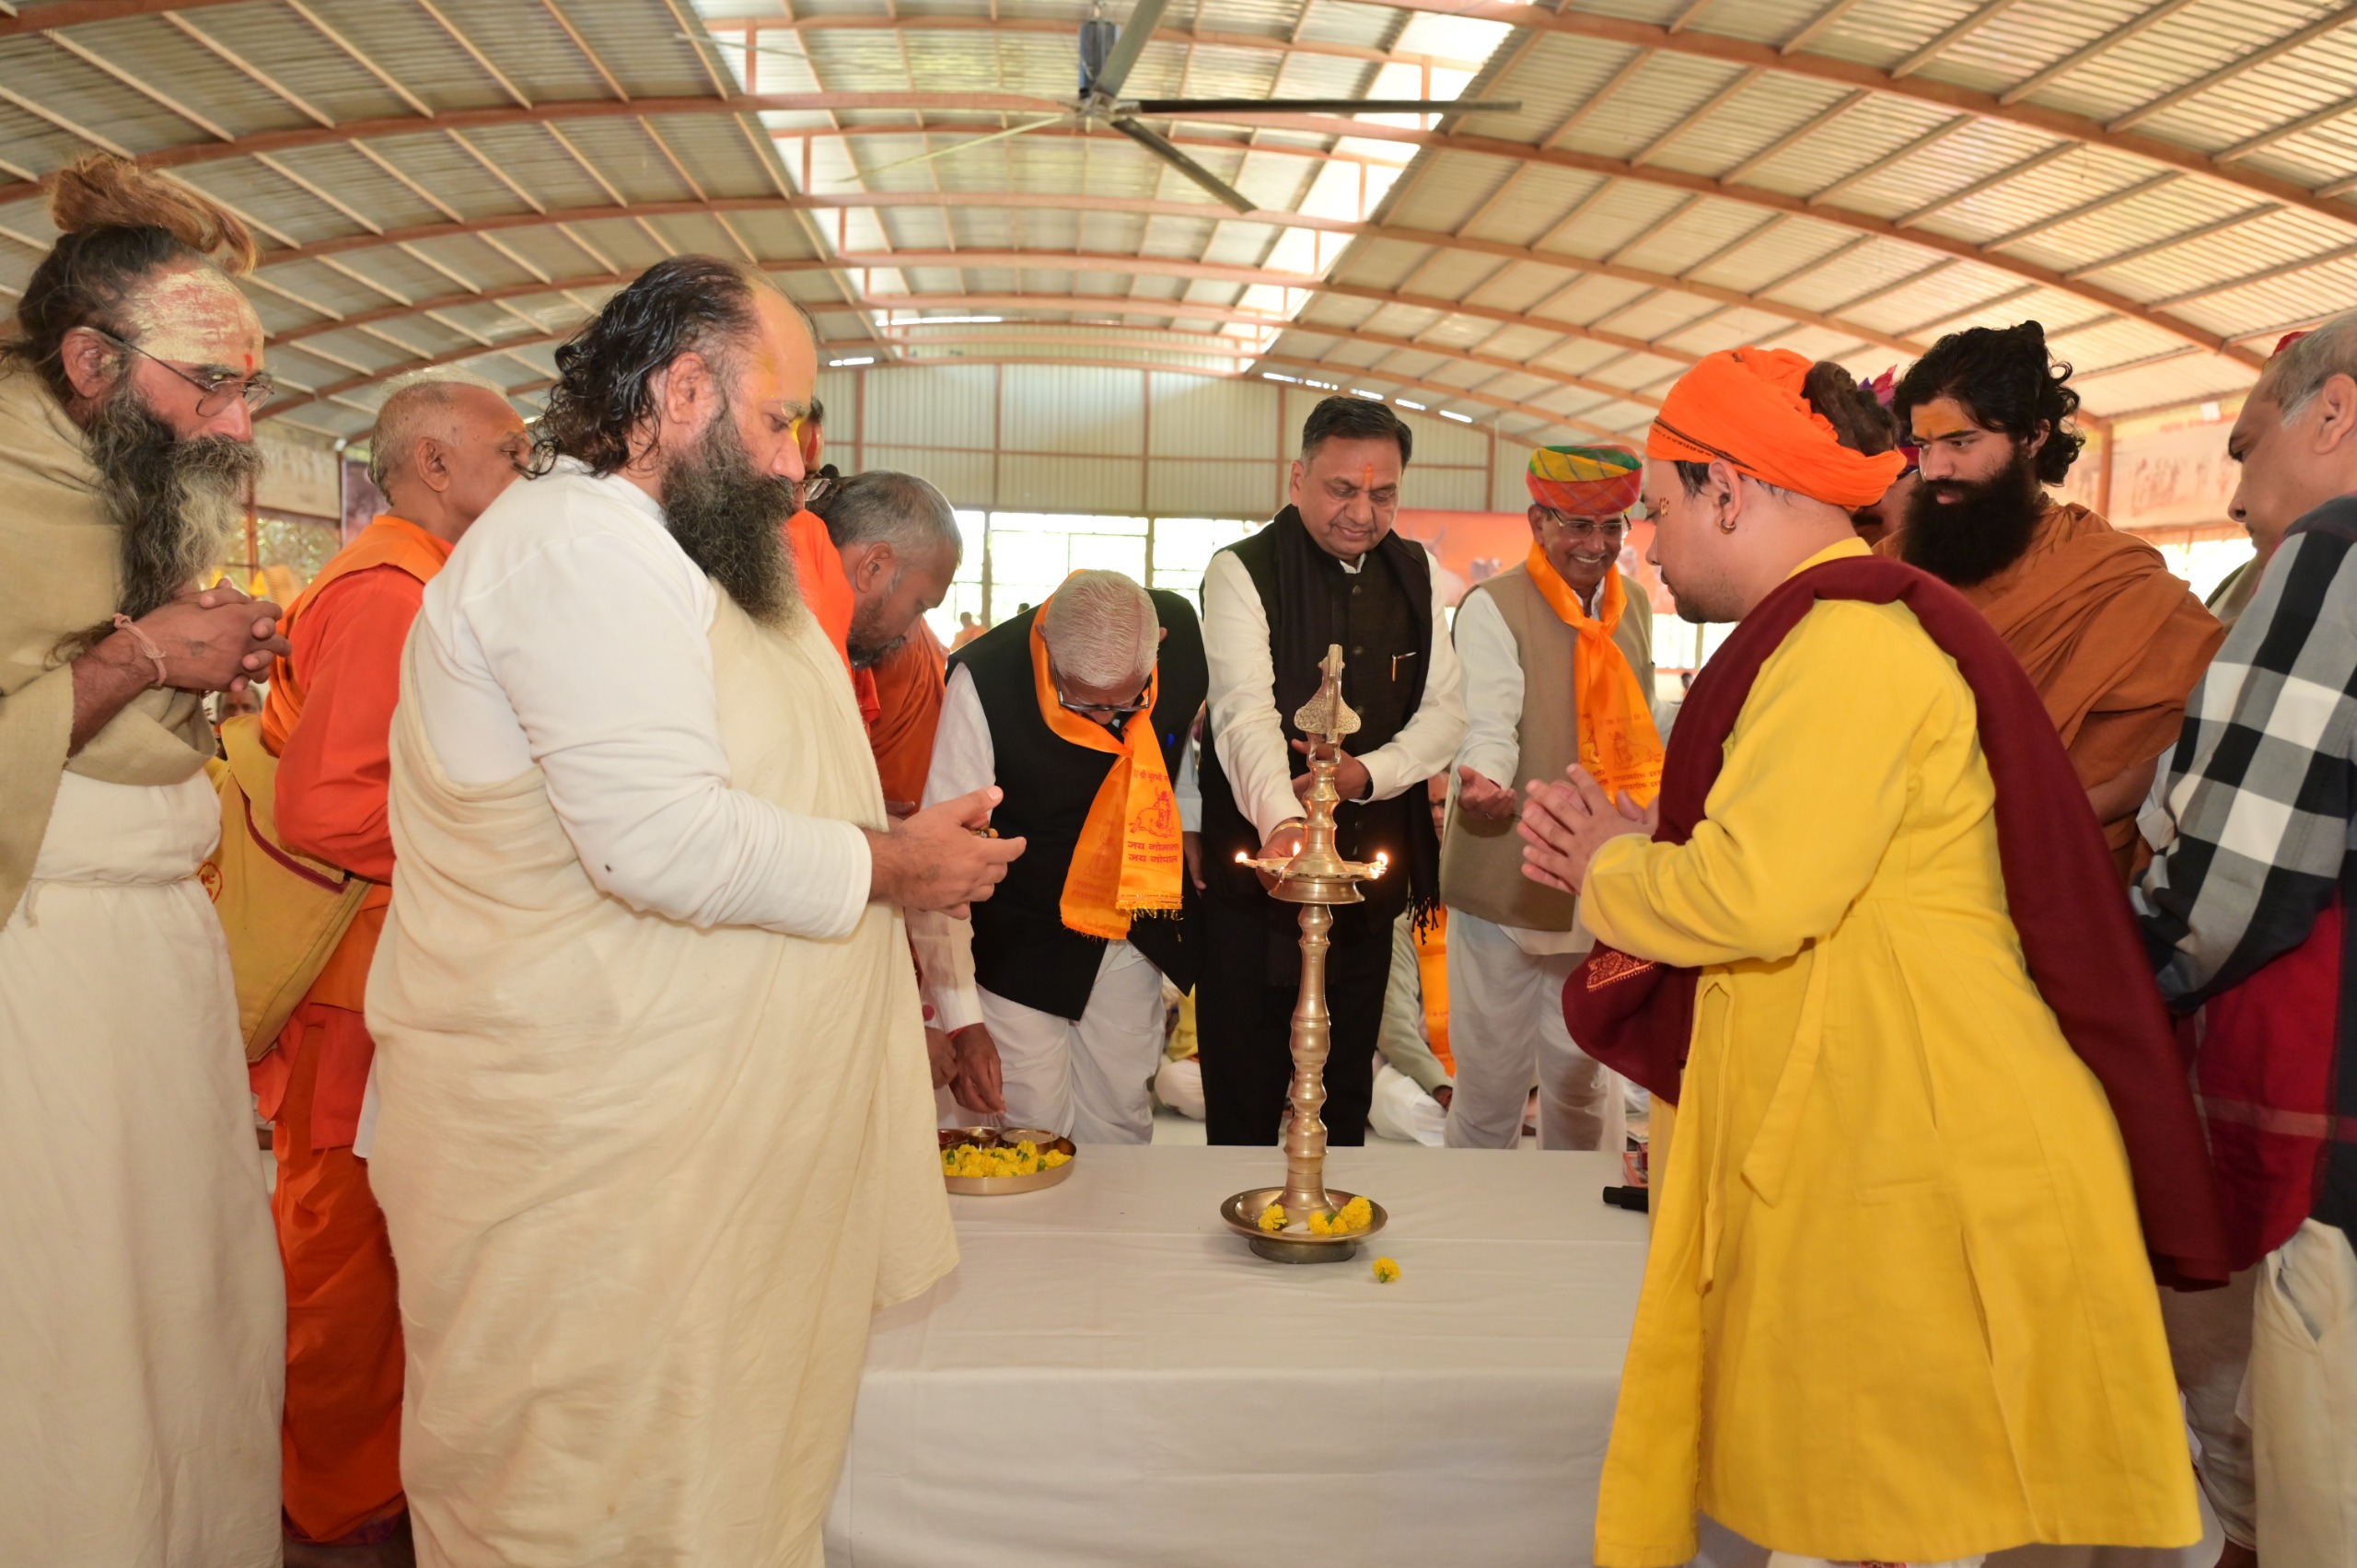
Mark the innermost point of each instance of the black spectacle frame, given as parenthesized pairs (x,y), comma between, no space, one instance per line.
(1101,710)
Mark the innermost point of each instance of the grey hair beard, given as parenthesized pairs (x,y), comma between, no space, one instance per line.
(730,518)
(178,503)
(861,646)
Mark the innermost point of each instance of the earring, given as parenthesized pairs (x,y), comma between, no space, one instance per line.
(1726,524)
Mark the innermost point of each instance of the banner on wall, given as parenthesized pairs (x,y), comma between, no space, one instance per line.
(2176,476)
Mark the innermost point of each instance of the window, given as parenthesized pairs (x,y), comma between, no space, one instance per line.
(1029,553)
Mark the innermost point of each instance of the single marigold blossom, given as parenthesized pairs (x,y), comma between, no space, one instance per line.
(1386,1270)
(1272,1218)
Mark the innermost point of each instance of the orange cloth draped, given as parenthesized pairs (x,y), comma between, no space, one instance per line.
(1619,744)
(1129,859)
(818,567)
(2111,639)
(1432,980)
(328,716)
(908,697)
(1745,407)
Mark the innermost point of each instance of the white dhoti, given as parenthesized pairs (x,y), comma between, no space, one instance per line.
(1086,1078)
(2304,1401)
(141,1311)
(645,1183)
(1506,1028)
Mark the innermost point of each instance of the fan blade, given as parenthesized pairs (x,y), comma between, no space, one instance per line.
(962,146)
(1183,164)
(1183,106)
(1136,33)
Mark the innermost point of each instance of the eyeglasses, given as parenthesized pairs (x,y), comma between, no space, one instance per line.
(214,390)
(1101,711)
(1587,529)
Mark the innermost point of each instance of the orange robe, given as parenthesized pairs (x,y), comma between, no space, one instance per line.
(2112,639)
(329,718)
(818,568)
(908,685)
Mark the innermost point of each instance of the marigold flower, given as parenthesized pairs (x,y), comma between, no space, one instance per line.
(1386,1270)
(1357,1214)
(1272,1218)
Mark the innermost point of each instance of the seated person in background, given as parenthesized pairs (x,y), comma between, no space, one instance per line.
(1051,992)
(1414,1082)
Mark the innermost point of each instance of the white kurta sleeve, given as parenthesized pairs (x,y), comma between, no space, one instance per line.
(598,640)
(1428,744)
(963,761)
(1246,731)
(1493,690)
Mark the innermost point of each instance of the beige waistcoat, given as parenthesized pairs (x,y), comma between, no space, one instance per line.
(1481,862)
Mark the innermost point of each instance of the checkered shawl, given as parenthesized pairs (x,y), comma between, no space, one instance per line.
(2262,786)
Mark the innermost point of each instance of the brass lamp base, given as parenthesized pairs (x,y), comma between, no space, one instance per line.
(1297,1243)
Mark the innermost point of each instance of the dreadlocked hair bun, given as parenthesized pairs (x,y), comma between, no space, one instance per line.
(103,191)
(1858,418)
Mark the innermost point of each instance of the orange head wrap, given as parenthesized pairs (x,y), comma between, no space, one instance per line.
(1744,407)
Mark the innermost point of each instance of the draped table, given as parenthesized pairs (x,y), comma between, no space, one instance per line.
(1111,1377)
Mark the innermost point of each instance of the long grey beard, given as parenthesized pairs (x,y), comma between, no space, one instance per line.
(177,502)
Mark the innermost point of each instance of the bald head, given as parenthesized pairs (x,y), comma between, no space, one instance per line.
(443,449)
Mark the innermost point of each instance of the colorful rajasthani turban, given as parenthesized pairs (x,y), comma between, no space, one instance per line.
(1586,481)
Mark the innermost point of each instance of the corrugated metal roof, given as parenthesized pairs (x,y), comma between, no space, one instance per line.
(1845,178)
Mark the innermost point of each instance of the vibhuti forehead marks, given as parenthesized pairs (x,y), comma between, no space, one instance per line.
(195,316)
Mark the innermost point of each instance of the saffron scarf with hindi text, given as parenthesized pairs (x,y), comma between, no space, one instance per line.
(1129,861)
(1619,744)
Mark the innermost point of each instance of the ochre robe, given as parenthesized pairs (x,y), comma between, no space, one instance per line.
(1897,1304)
(908,710)
(2112,639)
(329,718)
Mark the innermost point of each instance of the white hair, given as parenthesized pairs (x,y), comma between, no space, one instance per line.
(411,401)
(2294,376)
(1101,629)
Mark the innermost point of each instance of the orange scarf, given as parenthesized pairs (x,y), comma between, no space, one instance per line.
(1129,861)
(1617,743)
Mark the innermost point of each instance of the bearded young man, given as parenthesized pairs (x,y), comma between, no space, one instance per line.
(657,1127)
(444,446)
(1562,623)
(141,1324)
(2110,638)
(2246,914)
(1897,1306)
(1327,570)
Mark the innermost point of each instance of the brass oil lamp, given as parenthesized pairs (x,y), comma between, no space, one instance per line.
(1317,878)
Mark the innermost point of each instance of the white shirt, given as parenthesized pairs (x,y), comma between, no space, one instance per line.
(570,630)
(1492,691)
(964,761)
(1250,733)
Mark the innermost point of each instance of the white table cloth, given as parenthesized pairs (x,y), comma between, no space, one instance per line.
(1111,1377)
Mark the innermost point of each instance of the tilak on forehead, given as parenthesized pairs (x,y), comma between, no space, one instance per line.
(195,316)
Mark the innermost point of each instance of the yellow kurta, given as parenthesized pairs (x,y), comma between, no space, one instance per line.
(1897,1304)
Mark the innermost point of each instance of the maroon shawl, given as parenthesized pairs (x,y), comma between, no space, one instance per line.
(2077,933)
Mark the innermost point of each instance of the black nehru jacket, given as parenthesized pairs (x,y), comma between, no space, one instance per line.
(1023,950)
(1381,615)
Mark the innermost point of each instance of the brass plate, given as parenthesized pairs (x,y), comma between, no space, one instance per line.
(1000,1186)
(1242,1214)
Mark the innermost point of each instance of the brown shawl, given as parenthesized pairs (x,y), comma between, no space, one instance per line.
(2112,639)
(60,576)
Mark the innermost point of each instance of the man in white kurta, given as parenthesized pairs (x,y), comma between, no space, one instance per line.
(1055,1026)
(1512,943)
(142,1318)
(655,1134)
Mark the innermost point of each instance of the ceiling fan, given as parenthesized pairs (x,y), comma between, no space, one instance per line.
(1107,53)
